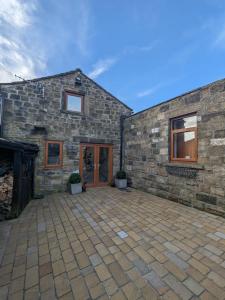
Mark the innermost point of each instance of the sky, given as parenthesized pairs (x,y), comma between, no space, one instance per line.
(142,51)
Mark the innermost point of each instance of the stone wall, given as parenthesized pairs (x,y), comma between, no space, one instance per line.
(147,147)
(39,103)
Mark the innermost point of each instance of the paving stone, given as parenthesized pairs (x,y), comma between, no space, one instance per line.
(118,274)
(178,287)
(58,267)
(32,293)
(141,266)
(163,257)
(207,296)
(193,285)
(45,269)
(214,249)
(199,266)
(149,293)
(102,272)
(91,280)
(82,260)
(156,282)
(177,261)
(79,288)
(144,255)
(49,294)
(220,234)
(177,272)
(170,295)
(110,286)
(32,277)
(220,281)
(16,285)
(4,292)
(213,288)
(18,271)
(46,283)
(171,247)
(131,291)
(15,296)
(102,250)
(62,285)
(97,291)
(95,259)
(73,273)
(158,268)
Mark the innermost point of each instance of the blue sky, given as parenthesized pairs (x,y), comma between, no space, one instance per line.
(143,52)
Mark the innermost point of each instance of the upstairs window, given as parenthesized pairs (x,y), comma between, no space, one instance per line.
(53,154)
(184,146)
(73,102)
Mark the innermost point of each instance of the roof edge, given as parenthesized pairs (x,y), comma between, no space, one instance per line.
(178,96)
(65,74)
(107,92)
(42,78)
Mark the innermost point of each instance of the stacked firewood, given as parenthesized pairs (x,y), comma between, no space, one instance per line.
(6,188)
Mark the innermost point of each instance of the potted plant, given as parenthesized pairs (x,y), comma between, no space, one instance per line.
(121,180)
(75,183)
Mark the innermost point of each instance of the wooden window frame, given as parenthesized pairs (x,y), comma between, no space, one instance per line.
(182,130)
(50,166)
(65,99)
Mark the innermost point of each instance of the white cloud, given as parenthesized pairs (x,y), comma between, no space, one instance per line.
(144,48)
(16,12)
(16,55)
(220,38)
(104,65)
(101,67)
(148,92)
(83,26)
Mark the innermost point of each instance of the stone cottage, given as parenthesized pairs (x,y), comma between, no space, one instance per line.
(175,149)
(75,123)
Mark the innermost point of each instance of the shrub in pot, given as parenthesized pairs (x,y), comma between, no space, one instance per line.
(121,180)
(75,183)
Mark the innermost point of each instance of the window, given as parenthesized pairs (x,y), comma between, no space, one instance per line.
(184,138)
(73,102)
(53,154)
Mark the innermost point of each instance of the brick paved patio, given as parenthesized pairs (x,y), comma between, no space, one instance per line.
(68,247)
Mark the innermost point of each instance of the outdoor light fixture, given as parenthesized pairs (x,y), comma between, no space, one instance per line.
(77,80)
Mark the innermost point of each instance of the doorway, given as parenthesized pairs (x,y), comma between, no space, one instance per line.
(96,164)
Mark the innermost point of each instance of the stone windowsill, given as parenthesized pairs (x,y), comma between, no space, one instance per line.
(185,165)
(75,113)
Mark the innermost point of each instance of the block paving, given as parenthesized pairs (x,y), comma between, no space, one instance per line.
(69,247)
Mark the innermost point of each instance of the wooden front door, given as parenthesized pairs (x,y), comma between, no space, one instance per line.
(96,164)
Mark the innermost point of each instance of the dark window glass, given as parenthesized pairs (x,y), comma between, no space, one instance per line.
(53,154)
(184,138)
(103,164)
(185,122)
(184,145)
(88,164)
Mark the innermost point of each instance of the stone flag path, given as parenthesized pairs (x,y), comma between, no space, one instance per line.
(111,244)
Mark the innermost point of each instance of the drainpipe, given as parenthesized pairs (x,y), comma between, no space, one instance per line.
(122,118)
(1,115)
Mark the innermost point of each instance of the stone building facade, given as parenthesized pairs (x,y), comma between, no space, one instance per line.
(148,159)
(162,154)
(34,112)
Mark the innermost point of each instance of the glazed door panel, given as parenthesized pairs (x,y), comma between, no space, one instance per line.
(87,160)
(96,164)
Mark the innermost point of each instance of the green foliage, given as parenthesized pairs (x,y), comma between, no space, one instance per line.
(121,175)
(74,178)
